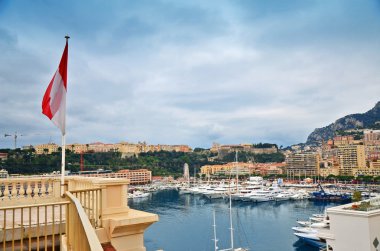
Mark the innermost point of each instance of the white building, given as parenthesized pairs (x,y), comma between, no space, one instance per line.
(354,227)
(3,174)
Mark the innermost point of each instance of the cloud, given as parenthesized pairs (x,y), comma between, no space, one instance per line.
(180,72)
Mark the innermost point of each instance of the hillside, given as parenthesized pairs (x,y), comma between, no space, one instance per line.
(353,121)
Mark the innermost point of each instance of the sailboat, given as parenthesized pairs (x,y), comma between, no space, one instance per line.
(232,248)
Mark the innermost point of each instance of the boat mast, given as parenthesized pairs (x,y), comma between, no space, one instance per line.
(237,178)
(231,228)
(237,171)
(215,239)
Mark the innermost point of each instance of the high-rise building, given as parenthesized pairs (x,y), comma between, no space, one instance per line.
(302,164)
(351,158)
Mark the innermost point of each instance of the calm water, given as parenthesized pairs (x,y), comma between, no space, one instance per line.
(186,223)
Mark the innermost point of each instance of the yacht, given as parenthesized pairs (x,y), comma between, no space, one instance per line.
(263,195)
(242,194)
(138,194)
(306,230)
(300,195)
(216,193)
(312,239)
(282,196)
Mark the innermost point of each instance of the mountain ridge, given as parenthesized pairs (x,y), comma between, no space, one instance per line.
(352,121)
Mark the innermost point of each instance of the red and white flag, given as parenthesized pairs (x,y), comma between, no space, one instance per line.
(54,102)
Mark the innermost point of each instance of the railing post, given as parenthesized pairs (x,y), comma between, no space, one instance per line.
(56,188)
(124,227)
(114,195)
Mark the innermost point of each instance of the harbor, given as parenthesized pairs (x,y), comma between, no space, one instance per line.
(186,222)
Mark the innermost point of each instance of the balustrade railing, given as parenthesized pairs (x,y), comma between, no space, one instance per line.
(26,188)
(47,220)
(32,227)
(91,201)
(80,234)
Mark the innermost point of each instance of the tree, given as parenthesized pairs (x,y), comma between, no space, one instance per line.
(357,196)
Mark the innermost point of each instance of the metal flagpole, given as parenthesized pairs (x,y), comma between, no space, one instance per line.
(63,149)
(63,165)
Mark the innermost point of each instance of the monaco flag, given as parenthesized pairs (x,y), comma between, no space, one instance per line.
(54,102)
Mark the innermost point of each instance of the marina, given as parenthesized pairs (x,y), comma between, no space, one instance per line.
(186,222)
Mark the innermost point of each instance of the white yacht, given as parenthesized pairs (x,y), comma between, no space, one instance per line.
(243,193)
(300,195)
(138,194)
(282,196)
(263,195)
(307,230)
(216,192)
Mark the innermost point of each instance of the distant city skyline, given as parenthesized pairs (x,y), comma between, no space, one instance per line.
(188,72)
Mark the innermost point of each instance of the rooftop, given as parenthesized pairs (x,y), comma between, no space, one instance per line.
(364,208)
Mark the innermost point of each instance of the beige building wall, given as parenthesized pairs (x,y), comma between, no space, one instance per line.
(226,168)
(374,164)
(123,147)
(343,140)
(326,171)
(77,148)
(300,164)
(372,137)
(139,176)
(46,148)
(351,157)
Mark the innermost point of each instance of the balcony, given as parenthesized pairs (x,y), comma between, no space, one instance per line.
(93,215)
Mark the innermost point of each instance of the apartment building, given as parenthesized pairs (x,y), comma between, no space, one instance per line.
(140,176)
(302,164)
(351,158)
(47,148)
(232,167)
(343,140)
(224,149)
(371,137)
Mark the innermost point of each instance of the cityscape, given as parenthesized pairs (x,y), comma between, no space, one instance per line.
(190,125)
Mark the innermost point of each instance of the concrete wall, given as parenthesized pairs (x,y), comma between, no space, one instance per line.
(353,230)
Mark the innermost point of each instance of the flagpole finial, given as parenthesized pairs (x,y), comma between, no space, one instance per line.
(67,37)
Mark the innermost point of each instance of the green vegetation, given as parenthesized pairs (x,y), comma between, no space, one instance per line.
(363,206)
(264,145)
(357,196)
(260,158)
(160,163)
(358,135)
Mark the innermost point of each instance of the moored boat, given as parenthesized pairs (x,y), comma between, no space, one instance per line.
(311,239)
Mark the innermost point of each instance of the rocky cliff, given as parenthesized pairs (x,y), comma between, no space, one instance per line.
(353,121)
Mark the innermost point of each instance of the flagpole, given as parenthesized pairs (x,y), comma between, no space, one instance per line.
(63,150)
(63,165)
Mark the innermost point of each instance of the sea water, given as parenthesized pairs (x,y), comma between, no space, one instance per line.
(186,223)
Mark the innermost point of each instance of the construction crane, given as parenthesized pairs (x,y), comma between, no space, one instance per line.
(15,135)
(81,162)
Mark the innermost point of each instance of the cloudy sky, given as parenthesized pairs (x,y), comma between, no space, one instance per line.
(188,72)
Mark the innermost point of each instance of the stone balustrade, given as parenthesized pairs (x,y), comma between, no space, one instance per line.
(104,200)
(32,187)
(81,183)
